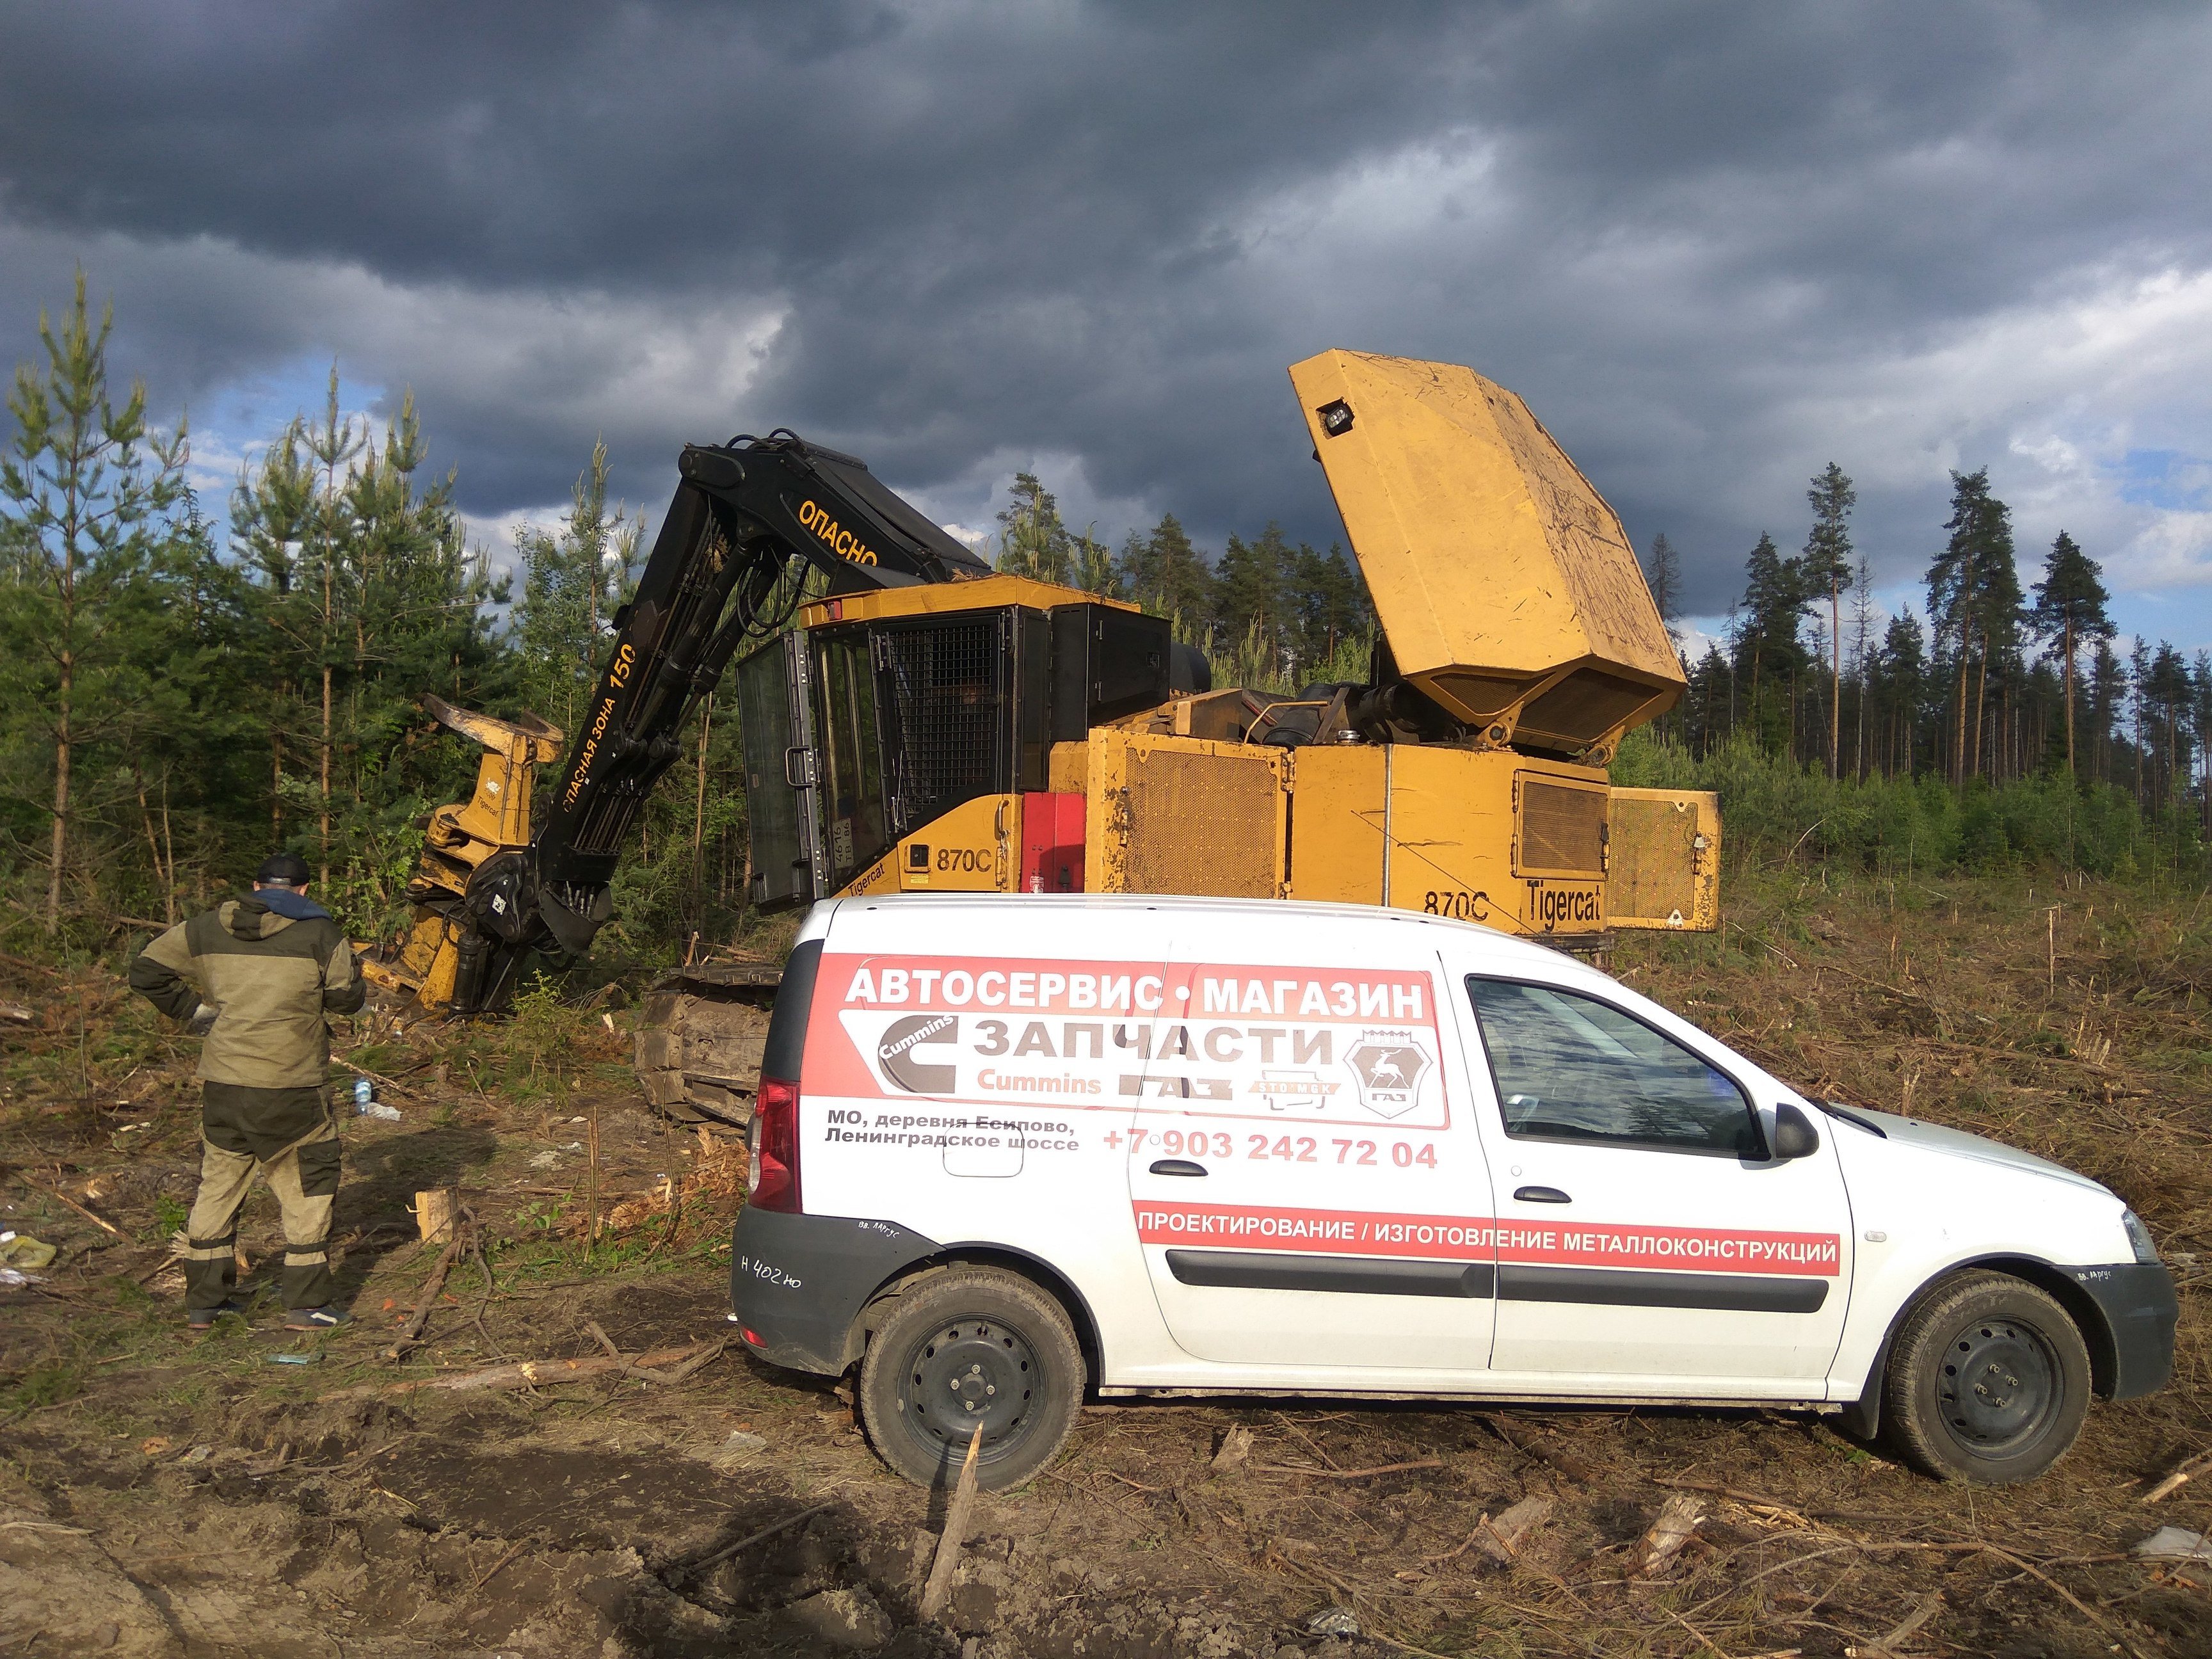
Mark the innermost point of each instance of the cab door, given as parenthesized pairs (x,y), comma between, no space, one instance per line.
(1647,1242)
(1308,1188)
(783,821)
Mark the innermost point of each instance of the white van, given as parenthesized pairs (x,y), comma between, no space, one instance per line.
(1007,1150)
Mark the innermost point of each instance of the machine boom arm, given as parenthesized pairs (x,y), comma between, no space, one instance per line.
(749,521)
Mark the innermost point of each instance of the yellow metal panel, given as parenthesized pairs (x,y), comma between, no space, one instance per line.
(1503,581)
(1184,815)
(1069,769)
(1666,859)
(1450,829)
(1336,823)
(969,850)
(981,593)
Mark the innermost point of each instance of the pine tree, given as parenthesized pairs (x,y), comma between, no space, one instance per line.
(1902,666)
(1662,573)
(332,448)
(2071,605)
(1767,648)
(86,484)
(1091,567)
(572,585)
(1165,573)
(1975,601)
(1032,541)
(270,510)
(1251,590)
(1862,656)
(2108,688)
(2167,688)
(1332,611)
(1827,563)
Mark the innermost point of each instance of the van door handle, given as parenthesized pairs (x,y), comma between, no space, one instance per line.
(1178,1166)
(1541,1196)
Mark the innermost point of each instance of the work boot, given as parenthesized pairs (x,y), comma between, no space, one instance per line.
(314,1319)
(203,1319)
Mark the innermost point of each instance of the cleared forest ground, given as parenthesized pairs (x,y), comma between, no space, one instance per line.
(161,1492)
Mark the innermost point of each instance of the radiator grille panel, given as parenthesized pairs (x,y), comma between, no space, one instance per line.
(1562,829)
(1202,825)
(950,714)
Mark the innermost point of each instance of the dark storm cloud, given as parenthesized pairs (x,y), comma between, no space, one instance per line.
(1692,235)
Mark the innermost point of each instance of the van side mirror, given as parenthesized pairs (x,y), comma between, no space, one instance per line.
(1793,1133)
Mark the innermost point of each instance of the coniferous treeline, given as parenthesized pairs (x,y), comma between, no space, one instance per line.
(180,695)
(1992,680)
(1269,615)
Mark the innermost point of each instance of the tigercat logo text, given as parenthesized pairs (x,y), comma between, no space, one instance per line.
(1570,905)
(841,542)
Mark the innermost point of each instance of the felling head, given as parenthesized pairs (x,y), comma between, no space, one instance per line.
(1503,581)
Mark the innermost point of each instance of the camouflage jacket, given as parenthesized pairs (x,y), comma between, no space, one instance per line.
(271,964)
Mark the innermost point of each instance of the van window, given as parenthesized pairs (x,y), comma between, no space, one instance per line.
(1570,1067)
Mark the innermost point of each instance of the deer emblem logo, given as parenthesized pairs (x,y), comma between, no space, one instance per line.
(1388,1065)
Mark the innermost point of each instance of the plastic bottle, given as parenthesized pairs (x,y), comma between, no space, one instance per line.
(365,1104)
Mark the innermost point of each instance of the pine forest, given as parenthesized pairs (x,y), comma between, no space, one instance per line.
(186,683)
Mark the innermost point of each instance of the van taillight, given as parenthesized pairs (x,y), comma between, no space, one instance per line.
(775,1147)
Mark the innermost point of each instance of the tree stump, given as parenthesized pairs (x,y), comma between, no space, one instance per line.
(434,1213)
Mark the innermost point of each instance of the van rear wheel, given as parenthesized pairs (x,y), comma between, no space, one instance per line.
(1989,1382)
(972,1346)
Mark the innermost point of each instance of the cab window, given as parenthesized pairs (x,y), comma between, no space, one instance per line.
(1570,1067)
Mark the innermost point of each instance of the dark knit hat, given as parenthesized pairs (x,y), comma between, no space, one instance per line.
(282,870)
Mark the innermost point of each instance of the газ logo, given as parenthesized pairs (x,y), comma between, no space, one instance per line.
(1388,1065)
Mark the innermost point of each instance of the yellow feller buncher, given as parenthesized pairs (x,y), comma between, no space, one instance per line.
(916,723)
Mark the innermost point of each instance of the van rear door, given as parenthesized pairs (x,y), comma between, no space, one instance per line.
(1307,1190)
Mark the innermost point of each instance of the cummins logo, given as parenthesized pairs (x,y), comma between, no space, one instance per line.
(903,1037)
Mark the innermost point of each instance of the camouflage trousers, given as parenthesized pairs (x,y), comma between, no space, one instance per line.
(236,1145)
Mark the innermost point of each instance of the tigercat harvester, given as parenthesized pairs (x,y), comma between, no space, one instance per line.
(925,726)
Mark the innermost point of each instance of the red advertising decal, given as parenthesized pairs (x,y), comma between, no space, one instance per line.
(1483,1238)
(1297,1045)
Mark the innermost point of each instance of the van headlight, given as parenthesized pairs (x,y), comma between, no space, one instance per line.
(2139,1236)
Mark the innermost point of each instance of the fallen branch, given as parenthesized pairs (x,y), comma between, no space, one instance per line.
(2181,1475)
(1565,1463)
(436,1282)
(101,1222)
(1349,1474)
(520,1545)
(531,1373)
(750,1539)
(1930,1605)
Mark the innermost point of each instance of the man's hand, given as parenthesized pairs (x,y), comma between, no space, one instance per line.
(202,1022)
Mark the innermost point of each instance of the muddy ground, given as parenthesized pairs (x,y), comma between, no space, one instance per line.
(167,1494)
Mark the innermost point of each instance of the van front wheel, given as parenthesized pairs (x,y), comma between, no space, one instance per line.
(970,1347)
(1989,1382)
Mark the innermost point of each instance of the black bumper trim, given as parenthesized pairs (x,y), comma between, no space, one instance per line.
(2139,1308)
(796,1282)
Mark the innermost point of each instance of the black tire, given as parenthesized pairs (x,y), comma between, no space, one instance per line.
(1988,1381)
(967,1345)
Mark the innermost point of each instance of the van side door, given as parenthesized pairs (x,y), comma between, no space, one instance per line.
(1647,1242)
(1310,1191)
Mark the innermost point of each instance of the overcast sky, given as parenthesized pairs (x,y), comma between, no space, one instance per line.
(1714,246)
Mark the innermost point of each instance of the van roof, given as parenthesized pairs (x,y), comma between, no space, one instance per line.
(1508,947)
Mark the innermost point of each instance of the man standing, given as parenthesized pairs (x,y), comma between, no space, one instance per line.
(271,964)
